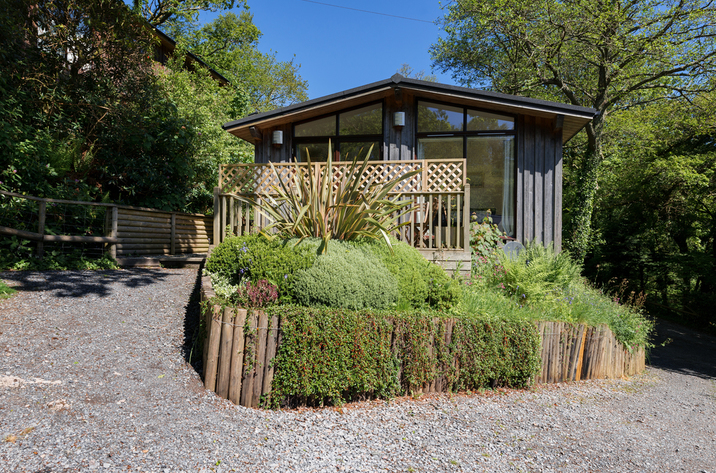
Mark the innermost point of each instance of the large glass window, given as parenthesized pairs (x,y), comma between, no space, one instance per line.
(350,132)
(487,141)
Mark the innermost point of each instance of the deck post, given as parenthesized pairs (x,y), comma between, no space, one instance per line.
(466,217)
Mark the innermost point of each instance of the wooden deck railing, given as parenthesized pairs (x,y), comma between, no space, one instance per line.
(440,219)
(124,230)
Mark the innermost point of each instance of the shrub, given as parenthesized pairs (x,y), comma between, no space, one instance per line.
(538,273)
(318,205)
(254,257)
(330,356)
(259,294)
(421,282)
(346,277)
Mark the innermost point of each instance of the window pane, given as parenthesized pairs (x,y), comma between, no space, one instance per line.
(477,121)
(362,121)
(434,117)
(321,127)
(491,175)
(439,148)
(350,150)
(317,151)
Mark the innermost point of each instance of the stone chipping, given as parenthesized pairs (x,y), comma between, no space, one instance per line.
(94,377)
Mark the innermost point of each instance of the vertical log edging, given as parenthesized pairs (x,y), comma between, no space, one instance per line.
(240,345)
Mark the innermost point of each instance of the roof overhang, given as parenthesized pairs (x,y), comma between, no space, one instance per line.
(571,118)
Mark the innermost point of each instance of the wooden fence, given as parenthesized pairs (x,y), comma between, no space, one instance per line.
(237,366)
(126,230)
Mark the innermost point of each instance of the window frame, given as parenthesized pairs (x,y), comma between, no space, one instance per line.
(338,139)
(464,134)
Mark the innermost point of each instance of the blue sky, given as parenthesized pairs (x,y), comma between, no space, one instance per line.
(339,48)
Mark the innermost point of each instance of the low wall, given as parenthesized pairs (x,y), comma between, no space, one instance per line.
(237,364)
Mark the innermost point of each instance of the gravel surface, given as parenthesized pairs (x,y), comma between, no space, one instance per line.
(93,377)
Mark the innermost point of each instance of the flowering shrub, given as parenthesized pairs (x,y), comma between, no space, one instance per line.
(259,294)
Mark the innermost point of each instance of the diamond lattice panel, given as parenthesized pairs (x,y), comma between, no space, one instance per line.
(445,176)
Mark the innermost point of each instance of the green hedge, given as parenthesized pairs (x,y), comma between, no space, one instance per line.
(331,356)
(346,278)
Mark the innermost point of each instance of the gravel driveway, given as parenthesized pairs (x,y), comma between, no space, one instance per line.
(93,377)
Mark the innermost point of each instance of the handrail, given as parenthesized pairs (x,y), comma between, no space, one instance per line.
(97,204)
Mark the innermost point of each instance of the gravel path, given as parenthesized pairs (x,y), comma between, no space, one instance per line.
(93,377)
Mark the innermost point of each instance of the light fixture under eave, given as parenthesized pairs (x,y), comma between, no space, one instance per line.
(277,137)
(399,119)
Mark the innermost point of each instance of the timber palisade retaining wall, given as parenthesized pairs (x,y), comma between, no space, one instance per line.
(237,366)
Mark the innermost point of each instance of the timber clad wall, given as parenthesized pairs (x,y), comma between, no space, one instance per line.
(539,181)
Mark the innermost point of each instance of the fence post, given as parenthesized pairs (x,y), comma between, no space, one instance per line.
(217,211)
(113,232)
(172,245)
(41,229)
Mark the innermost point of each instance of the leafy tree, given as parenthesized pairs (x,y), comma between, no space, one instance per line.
(609,55)
(158,12)
(406,71)
(83,116)
(656,207)
(230,45)
(205,105)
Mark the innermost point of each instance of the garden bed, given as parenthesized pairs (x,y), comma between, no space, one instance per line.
(288,355)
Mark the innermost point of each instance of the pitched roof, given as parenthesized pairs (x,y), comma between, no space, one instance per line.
(575,118)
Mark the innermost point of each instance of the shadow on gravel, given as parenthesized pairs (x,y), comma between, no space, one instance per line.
(688,351)
(82,283)
(192,330)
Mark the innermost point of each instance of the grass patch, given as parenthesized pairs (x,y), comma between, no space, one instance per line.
(5,290)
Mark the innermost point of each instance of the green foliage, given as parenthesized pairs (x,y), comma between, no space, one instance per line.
(322,207)
(254,257)
(81,109)
(331,356)
(346,277)
(550,288)
(421,283)
(204,104)
(537,273)
(485,242)
(655,209)
(229,44)
(619,55)
(21,259)
(5,290)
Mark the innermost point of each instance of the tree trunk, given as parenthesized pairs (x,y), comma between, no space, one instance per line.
(579,242)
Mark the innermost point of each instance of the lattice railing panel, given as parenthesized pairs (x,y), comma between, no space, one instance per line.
(436,176)
(445,176)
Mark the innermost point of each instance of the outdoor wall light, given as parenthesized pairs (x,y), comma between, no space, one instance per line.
(399,119)
(277,137)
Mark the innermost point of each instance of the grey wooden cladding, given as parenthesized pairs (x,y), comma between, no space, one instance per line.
(143,232)
(239,348)
(539,181)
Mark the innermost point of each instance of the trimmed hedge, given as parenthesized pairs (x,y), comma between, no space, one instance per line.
(346,278)
(332,356)
(421,282)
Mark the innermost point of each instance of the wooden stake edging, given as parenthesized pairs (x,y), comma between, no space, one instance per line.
(238,365)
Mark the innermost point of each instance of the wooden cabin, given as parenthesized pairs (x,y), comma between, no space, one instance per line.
(480,154)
